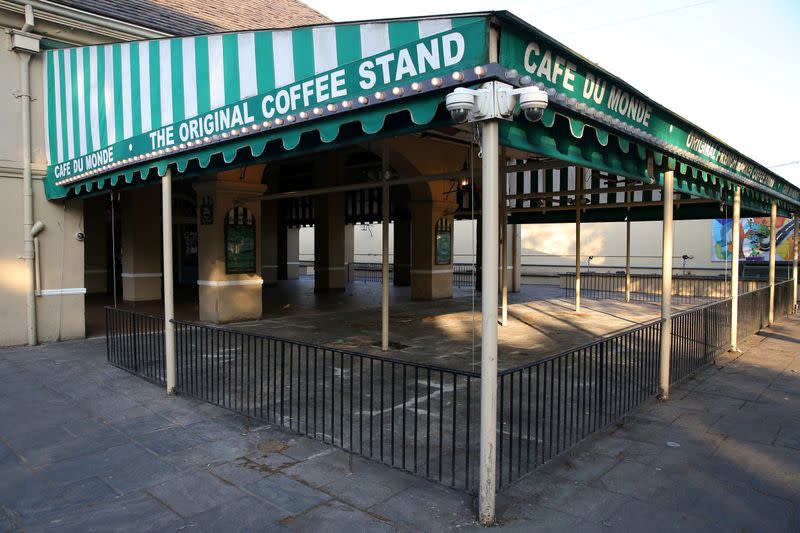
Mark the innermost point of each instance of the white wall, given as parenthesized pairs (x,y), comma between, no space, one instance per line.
(551,247)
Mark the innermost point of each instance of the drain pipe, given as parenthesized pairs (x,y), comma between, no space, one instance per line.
(25,43)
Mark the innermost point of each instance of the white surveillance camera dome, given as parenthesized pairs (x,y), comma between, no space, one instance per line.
(533,101)
(460,103)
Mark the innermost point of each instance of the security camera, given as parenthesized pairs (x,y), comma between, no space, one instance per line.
(533,101)
(460,103)
(79,236)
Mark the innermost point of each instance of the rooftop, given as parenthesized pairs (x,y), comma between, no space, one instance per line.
(192,17)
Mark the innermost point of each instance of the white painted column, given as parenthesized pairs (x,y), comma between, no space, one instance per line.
(516,258)
(666,285)
(773,221)
(579,173)
(737,206)
(796,251)
(503,245)
(169,303)
(627,247)
(385,252)
(489,233)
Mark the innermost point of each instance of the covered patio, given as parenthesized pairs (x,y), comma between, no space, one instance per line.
(419,122)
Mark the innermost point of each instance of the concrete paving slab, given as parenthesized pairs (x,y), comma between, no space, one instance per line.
(287,494)
(336,517)
(194,492)
(246,515)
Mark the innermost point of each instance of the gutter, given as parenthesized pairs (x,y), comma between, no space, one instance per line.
(26,44)
(75,18)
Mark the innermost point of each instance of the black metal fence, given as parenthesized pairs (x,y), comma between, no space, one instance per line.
(421,418)
(135,342)
(547,406)
(370,272)
(418,418)
(647,287)
(463,275)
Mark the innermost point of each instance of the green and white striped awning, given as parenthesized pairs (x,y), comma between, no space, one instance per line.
(119,102)
(120,112)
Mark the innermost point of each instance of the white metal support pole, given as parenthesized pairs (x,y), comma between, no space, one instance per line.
(666,285)
(516,258)
(169,303)
(579,173)
(385,253)
(795,252)
(503,244)
(773,221)
(737,206)
(628,250)
(489,234)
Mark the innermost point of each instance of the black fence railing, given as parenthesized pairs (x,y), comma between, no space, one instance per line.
(547,406)
(419,418)
(370,272)
(647,287)
(699,335)
(463,275)
(135,342)
(423,418)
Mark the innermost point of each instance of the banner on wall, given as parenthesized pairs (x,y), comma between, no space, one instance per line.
(753,235)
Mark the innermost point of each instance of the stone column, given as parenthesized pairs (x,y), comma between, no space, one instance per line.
(329,242)
(141,244)
(429,281)
(97,244)
(226,293)
(402,252)
(329,227)
(349,252)
(288,253)
(269,242)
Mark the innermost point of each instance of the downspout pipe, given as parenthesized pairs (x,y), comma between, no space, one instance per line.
(27,200)
(25,44)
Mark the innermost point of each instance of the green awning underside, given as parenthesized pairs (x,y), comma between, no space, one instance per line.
(121,114)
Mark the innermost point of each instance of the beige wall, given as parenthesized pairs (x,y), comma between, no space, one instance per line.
(60,308)
(59,316)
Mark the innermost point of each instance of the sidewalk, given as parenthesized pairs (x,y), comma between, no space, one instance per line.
(85,446)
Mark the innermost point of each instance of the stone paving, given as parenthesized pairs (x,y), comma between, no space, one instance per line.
(88,447)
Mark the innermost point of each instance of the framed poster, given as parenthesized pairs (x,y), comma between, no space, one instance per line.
(444,242)
(240,241)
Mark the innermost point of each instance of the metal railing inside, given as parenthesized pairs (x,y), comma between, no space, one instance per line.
(372,272)
(647,287)
(422,418)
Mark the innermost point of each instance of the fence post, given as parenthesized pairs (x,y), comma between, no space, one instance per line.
(666,285)
(795,251)
(578,201)
(737,205)
(773,216)
(169,304)
(627,246)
